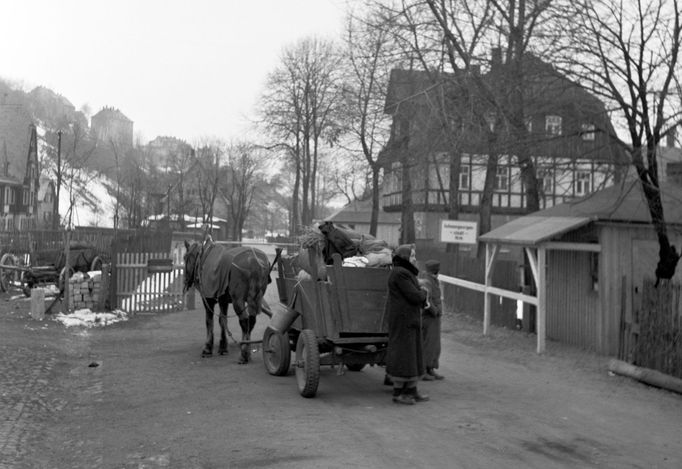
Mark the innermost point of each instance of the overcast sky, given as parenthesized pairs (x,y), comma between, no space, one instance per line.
(189,69)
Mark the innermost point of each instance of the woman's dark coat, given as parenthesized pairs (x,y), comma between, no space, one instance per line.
(431,320)
(404,357)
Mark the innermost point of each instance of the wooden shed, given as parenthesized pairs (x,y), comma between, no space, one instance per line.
(593,254)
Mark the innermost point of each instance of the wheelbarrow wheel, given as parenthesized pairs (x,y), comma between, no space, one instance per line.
(96,264)
(276,352)
(7,276)
(307,363)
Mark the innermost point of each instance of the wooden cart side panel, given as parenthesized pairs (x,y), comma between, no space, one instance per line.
(361,297)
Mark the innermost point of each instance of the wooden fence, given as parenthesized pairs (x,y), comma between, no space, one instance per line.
(148,282)
(655,341)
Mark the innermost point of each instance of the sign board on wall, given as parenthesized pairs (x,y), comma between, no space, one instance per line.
(456,231)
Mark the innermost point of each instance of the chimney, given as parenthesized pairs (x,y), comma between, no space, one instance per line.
(670,137)
(495,57)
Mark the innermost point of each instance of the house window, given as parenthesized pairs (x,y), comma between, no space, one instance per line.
(465,177)
(502,178)
(553,125)
(582,183)
(587,131)
(529,124)
(546,181)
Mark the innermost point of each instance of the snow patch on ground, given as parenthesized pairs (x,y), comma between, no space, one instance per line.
(86,318)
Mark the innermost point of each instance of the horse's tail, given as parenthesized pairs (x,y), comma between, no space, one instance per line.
(259,274)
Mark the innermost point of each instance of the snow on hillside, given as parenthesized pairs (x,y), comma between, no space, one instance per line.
(94,204)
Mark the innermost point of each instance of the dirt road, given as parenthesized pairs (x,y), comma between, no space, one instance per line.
(137,395)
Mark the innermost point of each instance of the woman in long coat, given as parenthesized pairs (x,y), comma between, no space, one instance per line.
(404,356)
(431,319)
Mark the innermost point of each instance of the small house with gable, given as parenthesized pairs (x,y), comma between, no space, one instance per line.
(19,172)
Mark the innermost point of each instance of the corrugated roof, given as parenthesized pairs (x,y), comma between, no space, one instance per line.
(532,230)
(624,202)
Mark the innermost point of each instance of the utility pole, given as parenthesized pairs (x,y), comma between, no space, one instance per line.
(55,202)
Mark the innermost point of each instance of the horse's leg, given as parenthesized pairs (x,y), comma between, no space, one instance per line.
(224,302)
(209,306)
(240,309)
(247,324)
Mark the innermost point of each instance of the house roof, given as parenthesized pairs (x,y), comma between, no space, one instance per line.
(15,139)
(360,211)
(624,202)
(621,203)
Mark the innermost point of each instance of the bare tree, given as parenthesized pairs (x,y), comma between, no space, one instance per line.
(368,50)
(300,109)
(242,177)
(627,52)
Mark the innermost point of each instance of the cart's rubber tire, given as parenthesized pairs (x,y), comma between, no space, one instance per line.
(7,276)
(307,363)
(96,263)
(355,366)
(276,352)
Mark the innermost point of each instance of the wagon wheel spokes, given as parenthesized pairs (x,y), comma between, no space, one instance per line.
(8,276)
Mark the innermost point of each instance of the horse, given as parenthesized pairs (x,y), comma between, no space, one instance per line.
(223,275)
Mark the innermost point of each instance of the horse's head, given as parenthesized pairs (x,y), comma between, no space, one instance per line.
(191,259)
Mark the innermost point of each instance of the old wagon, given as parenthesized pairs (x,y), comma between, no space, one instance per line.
(49,266)
(338,321)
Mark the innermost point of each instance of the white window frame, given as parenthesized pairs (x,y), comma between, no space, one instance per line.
(587,132)
(464,179)
(553,124)
(583,182)
(502,180)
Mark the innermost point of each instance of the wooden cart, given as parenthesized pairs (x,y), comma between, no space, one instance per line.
(338,321)
(50,268)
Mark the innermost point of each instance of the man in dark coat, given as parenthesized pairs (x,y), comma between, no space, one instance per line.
(431,319)
(404,356)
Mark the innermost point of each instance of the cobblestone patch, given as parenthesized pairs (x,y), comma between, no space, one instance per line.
(26,403)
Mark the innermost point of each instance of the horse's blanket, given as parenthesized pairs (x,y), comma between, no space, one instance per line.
(220,264)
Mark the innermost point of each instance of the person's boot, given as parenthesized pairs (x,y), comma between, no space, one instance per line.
(428,376)
(417,396)
(401,397)
(388,381)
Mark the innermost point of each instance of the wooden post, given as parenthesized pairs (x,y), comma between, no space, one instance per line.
(490,255)
(38,303)
(542,299)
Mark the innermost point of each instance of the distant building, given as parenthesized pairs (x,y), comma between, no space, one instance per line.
(163,152)
(111,125)
(19,174)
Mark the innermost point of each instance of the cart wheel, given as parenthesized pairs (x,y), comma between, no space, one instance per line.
(7,277)
(307,363)
(276,352)
(96,263)
(355,366)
